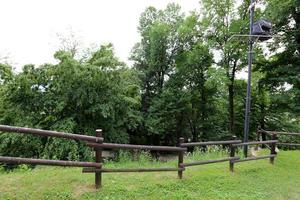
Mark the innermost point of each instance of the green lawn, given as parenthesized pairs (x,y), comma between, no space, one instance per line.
(251,180)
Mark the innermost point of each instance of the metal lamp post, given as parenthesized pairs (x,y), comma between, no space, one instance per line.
(248,98)
(259,31)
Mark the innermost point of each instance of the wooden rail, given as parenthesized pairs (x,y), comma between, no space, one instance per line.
(271,156)
(230,158)
(210,161)
(254,158)
(48,133)
(98,144)
(279,133)
(131,146)
(274,135)
(210,143)
(288,144)
(255,143)
(17,161)
(93,170)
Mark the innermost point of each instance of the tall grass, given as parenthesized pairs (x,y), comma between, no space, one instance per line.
(125,158)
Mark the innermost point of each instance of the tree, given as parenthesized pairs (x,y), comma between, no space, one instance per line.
(221,21)
(69,42)
(174,63)
(193,69)
(282,70)
(154,56)
(6,73)
(71,96)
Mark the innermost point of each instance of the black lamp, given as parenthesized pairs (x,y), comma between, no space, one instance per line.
(262,28)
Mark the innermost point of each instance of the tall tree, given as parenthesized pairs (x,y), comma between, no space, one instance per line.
(283,68)
(174,63)
(192,68)
(222,20)
(71,96)
(155,54)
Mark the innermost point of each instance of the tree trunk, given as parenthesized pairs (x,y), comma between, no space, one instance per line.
(231,98)
(262,107)
(231,108)
(262,121)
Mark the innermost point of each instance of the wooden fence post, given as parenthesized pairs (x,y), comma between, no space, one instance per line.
(258,138)
(273,149)
(98,151)
(232,154)
(180,159)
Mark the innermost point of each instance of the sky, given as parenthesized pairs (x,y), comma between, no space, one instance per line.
(29,29)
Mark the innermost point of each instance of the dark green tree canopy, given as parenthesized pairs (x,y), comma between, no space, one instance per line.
(185,81)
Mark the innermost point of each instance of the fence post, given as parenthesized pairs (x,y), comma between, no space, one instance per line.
(273,149)
(98,151)
(232,154)
(258,138)
(180,158)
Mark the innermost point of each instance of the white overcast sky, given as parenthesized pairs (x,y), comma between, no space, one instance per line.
(29,28)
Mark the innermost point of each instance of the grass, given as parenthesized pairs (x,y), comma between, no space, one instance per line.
(251,180)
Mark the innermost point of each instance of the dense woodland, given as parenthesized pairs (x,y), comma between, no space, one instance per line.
(183,83)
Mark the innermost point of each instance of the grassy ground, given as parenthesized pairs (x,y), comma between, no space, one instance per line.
(251,180)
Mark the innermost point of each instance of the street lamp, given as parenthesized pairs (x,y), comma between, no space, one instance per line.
(260,31)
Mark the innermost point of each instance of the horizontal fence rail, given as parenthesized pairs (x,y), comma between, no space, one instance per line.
(48,133)
(279,133)
(255,143)
(204,162)
(210,143)
(210,161)
(31,161)
(131,146)
(275,133)
(271,156)
(93,170)
(98,144)
(288,144)
(254,158)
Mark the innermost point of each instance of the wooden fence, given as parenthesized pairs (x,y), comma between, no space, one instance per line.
(274,135)
(97,143)
(233,148)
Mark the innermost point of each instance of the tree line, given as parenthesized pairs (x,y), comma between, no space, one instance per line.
(183,83)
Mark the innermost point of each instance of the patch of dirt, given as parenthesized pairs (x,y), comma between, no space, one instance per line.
(79,190)
(254,151)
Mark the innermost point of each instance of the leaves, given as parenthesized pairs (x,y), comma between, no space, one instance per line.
(76,97)
(183,82)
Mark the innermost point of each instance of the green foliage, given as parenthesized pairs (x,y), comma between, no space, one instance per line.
(222,19)
(175,64)
(6,73)
(183,83)
(72,96)
(282,68)
(278,89)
